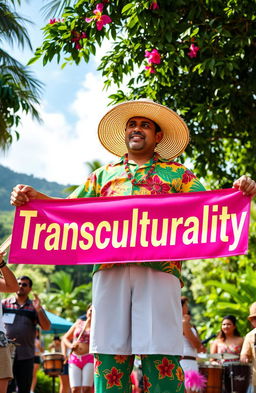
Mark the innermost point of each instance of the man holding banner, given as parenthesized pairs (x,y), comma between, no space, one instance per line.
(136,305)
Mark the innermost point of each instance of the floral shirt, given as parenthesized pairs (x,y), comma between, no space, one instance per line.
(112,180)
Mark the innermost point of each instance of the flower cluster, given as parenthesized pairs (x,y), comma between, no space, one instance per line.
(154,5)
(193,49)
(76,37)
(101,20)
(153,57)
(53,21)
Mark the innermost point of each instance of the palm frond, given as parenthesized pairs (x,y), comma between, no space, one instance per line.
(55,7)
(12,28)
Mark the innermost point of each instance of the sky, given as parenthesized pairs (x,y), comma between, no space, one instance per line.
(72,103)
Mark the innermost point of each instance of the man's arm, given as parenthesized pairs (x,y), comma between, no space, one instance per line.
(42,318)
(246,352)
(189,334)
(8,283)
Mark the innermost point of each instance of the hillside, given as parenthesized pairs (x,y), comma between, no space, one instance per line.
(9,178)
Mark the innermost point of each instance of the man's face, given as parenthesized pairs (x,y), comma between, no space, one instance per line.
(141,135)
(24,287)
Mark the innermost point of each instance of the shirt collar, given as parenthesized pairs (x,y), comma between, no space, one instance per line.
(148,163)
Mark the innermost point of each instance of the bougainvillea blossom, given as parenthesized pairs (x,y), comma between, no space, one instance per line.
(193,49)
(154,5)
(101,20)
(76,37)
(54,20)
(153,56)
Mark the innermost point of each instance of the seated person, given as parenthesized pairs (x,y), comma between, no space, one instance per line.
(228,339)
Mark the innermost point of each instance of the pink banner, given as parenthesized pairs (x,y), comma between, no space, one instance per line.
(134,228)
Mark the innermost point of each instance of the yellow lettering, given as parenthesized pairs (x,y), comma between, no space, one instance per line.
(28,214)
(98,242)
(123,241)
(163,238)
(144,222)
(87,236)
(134,227)
(175,223)
(52,241)
(194,230)
(74,227)
(38,229)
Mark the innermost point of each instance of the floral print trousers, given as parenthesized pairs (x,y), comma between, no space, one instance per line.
(161,373)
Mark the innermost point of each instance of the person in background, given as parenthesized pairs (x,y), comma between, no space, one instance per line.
(248,352)
(192,342)
(137,305)
(64,376)
(21,315)
(55,346)
(80,360)
(37,360)
(228,339)
(8,283)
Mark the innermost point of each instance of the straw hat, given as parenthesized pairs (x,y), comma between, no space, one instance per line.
(111,129)
(252,311)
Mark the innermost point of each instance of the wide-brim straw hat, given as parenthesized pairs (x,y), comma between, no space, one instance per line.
(252,311)
(111,129)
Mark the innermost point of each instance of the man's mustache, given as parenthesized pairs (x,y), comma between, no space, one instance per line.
(134,133)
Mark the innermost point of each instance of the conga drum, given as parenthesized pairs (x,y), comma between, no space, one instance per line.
(53,363)
(213,374)
(236,377)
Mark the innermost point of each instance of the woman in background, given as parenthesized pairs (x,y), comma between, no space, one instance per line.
(228,339)
(37,360)
(80,360)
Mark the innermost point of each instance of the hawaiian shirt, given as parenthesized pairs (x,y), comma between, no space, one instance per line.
(112,180)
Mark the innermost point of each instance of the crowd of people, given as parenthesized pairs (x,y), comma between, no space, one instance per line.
(136,307)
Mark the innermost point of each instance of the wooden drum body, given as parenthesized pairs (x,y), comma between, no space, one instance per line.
(236,377)
(213,374)
(53,363)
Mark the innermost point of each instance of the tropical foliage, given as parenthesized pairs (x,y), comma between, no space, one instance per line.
(196,57)
(19,90)
(64,299)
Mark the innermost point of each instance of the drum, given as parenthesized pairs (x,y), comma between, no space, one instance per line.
(236,377)
(213,374)
(53,363)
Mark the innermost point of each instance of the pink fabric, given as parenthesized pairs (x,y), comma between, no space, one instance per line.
(133,228)
(81,361)
(85,337)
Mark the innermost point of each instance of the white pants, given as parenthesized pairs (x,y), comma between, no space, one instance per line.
(188,364)
(80,377)
(136,310)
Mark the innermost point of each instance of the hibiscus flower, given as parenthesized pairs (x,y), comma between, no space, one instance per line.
(165,368)
(156,186)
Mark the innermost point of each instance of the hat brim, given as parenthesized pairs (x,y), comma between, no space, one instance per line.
(111,129)
(251,316)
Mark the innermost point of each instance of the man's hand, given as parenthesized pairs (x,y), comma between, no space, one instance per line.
(22,194)
(36,302)
(246,185)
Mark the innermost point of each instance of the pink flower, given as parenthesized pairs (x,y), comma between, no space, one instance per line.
(193,49)
(54,20)
(101,20)
(76,37)
(154,5)
(153,56)
(151,69)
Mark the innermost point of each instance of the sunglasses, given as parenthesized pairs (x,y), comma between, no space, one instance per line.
(22,284)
